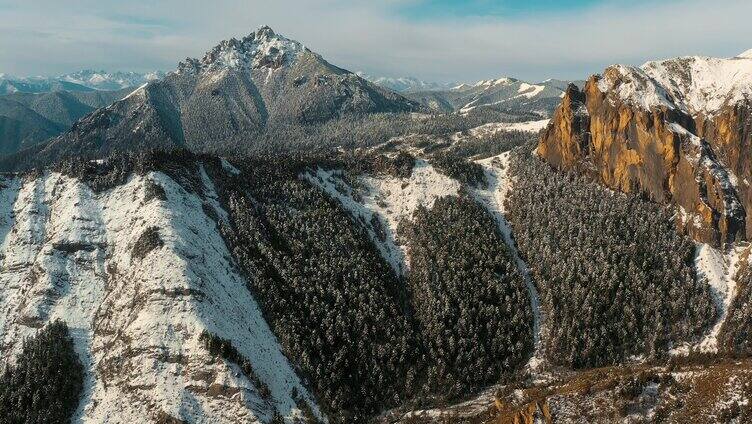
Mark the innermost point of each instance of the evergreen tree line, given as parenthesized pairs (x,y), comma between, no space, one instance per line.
(616,278)
(335,305)
(487,145)
(469,298)
(735,336)
(365,339)
(460,169)
(45,384)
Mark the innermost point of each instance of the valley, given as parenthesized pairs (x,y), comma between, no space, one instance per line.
(262,236)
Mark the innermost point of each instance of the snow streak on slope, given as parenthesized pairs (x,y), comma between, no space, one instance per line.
(497,127)
(136,321)
(493,198)
(390,200)
(381,234)
(720,270)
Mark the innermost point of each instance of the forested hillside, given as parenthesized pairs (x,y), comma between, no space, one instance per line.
(617,279)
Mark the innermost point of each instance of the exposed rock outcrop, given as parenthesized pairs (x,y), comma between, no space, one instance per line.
(67,252)
(532,413)
(677,131)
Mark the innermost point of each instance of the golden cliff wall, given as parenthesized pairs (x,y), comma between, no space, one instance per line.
(730,133)
(653,152)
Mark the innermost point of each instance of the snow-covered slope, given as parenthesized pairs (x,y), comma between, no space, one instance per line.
(704,84)
(503,94)
(136,314)
(85,80)
(692,84)
(720,270)
(382,202)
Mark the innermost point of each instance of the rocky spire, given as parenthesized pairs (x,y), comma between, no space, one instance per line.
(262,48)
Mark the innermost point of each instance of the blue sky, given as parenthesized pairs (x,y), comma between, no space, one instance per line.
(439,40)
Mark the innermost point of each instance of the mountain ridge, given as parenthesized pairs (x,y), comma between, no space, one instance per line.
(84,80)
(677,130)
(227,99)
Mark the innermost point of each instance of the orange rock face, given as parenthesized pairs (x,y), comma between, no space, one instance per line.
(658,152)
(533,412)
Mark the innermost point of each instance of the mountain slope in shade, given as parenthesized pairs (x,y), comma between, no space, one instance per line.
(231,95)
(30,118)
(679,130)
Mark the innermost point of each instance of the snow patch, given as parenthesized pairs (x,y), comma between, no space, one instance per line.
(390,200)
(530,90)
(719,269)
(496,127)
(493,198)
(67,254)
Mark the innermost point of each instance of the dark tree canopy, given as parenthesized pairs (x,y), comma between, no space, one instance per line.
(736,333)
(615,276)
(45,384)
(469,298)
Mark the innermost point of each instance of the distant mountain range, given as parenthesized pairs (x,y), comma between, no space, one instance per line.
(238,90)
(503,94)
(85,80)
(406,84)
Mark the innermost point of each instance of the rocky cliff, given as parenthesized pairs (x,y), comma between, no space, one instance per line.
(676,131)
(129,271)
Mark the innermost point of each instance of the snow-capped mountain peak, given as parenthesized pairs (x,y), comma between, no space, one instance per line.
(693,84)
(405,84)
(263,48)
(102,80)
(746,55)
(494,82)
(703,84)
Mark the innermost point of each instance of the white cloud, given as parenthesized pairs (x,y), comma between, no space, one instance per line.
(46,36)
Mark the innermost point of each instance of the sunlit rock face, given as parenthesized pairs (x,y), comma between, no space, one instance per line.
(676,131)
